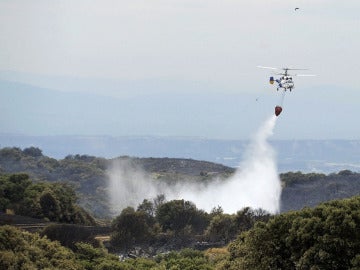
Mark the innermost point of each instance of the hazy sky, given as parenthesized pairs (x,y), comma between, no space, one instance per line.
(184,48)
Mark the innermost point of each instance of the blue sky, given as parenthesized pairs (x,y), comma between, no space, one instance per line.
(179,67)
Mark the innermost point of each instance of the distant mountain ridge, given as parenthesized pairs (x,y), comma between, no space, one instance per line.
(324,156)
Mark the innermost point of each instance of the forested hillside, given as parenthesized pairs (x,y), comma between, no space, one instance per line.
(300,190)
(42,200)
(89,176)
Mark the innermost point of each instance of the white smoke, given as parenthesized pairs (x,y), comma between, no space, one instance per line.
(129,185)
(255,184)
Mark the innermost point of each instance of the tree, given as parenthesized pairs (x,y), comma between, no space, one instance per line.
(246,218)
(326,237)
(129,227)
(345,173)
(50,205)
(32,151)
(12,188)
(148,208)
(159,200)
(216,211)
(176,214)
(222,228)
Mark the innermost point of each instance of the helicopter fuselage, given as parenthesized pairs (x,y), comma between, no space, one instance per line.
(285,83)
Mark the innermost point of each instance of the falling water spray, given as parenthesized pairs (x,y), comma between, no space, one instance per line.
(255,184)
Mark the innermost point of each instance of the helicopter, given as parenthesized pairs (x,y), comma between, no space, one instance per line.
(285,81)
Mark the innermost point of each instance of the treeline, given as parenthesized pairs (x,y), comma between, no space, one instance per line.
(44,200)
(291,178)
(178,223)
(325,237)
(311,189)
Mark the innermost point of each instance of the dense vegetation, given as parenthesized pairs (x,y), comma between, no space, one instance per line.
(326,237)
(22,250)
(43,200)
(161,225)
(87,174)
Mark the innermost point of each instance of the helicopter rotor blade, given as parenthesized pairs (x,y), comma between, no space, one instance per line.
(295,69)
(304,75)
(267,67)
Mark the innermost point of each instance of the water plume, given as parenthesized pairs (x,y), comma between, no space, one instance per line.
(128,185)
(255,184)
